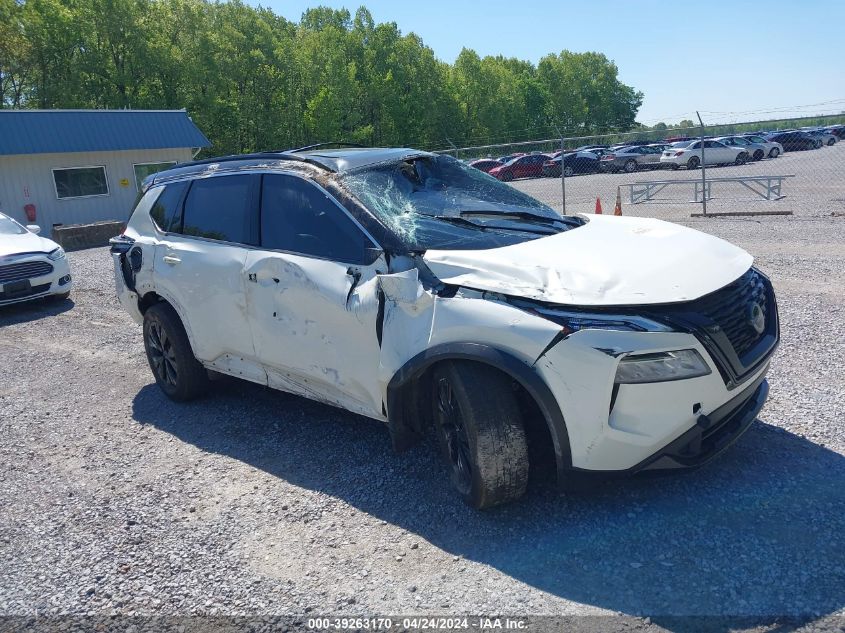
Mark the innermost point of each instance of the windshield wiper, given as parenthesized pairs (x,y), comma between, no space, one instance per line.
(453,219)
(525,216)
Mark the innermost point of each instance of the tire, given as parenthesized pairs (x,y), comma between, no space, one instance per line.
(758,155)
(506,177)
(817,145)
(480,433)
(831,142)
(741,158)
(694,163)
(774,153)
(568,171)
(177,371)
(630,166)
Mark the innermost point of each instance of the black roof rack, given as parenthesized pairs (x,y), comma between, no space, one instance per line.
(327,144)
(280,155)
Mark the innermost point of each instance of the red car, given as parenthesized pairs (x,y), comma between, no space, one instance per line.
(529,166)
(485,164)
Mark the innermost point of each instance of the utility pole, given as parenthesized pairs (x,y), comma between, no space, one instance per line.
(703,169)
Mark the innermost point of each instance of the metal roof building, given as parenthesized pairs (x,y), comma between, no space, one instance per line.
(60,167)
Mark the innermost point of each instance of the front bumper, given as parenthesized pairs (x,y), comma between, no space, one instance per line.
(705,442)
(55,282)
(621,429)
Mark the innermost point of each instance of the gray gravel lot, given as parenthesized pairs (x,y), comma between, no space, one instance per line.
(114,500)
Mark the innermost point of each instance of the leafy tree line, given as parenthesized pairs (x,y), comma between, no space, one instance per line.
(253,81)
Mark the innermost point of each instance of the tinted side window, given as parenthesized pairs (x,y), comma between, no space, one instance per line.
(222,208)
(298,217)
(165,207)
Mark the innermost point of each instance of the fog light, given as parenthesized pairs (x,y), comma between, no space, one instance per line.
(64,280)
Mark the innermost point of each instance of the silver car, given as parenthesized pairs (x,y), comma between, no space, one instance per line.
(756,151)
(630,159)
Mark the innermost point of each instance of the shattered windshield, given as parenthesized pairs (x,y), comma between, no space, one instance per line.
(437,202)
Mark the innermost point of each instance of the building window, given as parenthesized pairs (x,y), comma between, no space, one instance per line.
(80,182)
(142,170)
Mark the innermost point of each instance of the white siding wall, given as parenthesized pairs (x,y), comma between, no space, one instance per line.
(28,178)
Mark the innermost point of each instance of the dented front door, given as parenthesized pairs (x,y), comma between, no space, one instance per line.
(312,301)
(314,328)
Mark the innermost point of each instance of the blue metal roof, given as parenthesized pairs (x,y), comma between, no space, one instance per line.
(53,131)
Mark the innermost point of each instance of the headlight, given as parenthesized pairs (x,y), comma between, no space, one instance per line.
(56,254)
(575,321)
(661,367)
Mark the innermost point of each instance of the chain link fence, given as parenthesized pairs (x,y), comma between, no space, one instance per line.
(741,168)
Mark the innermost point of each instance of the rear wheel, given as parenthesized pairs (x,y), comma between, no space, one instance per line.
(630,166)
(177,372)
(694,163)
(758,155)
(831,141)
(480,432)
(741,159)
(817,144)
(568,171)
(774,153)
(506,177)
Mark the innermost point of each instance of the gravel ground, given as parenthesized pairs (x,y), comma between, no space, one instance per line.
(116,501)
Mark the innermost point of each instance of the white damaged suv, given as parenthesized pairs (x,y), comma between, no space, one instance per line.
(410,288)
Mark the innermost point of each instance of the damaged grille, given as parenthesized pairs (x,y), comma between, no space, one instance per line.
(738,324)
(24,270)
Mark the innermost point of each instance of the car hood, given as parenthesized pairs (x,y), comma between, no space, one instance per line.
(25,243)
(608,261)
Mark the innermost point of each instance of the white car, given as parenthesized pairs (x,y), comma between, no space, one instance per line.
(415,290)
(773,148)
(31,267)
(715,153)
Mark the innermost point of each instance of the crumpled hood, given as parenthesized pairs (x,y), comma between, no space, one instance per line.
(608,261)
(25,243)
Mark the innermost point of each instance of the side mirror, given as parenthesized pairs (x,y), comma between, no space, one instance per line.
(33,228)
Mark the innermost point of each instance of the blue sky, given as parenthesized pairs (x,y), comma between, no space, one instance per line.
(759,56)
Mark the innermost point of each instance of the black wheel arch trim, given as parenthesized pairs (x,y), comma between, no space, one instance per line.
(405,433)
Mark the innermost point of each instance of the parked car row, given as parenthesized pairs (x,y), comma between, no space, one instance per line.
(673,153)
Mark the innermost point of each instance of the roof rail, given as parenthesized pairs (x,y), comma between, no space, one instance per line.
(234,157)
(318,145)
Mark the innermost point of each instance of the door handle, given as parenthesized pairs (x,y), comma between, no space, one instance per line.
(171,259)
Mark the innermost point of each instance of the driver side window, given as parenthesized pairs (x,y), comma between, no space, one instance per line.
(297,217)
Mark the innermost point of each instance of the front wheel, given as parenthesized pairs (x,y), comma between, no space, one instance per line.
(774,153)
(506,177)
(758,155)
(694,163)
(831,142)
(480,432)
(568,171)
(631,166)
(177,371)
(741,159)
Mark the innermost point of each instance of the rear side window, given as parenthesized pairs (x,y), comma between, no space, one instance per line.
(222,208)
(165,207)
(299,218)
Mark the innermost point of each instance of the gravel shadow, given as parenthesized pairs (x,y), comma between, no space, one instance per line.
(34,310)
(759,532)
